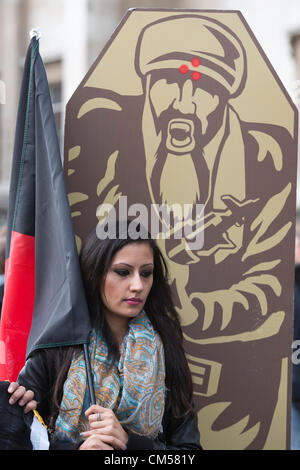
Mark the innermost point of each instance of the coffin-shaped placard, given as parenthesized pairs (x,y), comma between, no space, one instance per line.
(182,124)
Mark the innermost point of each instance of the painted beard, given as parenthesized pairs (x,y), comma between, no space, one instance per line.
(180,174)
(179,181)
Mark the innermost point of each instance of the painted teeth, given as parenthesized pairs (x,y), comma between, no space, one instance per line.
(180,125)
(180,135)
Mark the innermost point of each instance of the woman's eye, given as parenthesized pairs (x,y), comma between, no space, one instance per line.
(146,273)
(122,272)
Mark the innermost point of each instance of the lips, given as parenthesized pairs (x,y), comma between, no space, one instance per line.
(133,301)
(180,137)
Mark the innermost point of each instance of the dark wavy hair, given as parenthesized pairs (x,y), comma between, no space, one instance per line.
(95,259)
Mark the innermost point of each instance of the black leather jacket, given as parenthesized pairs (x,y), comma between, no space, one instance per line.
(39,374)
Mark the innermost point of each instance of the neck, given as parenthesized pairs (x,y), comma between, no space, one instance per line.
(118,327)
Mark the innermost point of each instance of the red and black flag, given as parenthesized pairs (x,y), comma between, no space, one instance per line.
(44,303)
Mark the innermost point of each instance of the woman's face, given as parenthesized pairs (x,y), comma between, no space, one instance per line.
(128,281)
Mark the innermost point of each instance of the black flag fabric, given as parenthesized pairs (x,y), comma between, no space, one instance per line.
(44,303)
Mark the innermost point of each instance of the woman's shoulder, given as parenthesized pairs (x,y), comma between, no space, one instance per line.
(41,368)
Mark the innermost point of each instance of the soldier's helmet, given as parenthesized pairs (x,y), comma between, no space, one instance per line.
(184,38)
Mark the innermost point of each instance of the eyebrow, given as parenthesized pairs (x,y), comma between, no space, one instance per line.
(130,266)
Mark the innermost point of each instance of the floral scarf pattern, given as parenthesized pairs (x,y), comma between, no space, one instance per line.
(134,388)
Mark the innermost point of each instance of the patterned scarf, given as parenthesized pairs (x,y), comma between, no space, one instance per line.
(134,388)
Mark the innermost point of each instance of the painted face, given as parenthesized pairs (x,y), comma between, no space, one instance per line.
(176,126)
(128,282)
(186,108)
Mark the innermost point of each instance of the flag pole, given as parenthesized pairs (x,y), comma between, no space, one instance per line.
(36,32)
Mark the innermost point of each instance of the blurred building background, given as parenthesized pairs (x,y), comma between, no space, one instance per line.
(75,31)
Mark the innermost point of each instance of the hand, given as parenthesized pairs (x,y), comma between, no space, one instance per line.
(23,396)
(108,429)
(94,442)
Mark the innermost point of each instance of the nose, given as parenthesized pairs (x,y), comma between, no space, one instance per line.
(136,284)
(184,102)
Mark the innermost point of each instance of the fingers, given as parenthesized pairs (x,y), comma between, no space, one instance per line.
(32,405)
(108,439)
(27,397)
(94,442)
(108,426)
(17,393)
(27,400)
(12,387)
(94,409)
(105,413)
(22,396)
(97,424)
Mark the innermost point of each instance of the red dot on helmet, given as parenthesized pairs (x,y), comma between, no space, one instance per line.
(183,69)
(196,62)
(196,75)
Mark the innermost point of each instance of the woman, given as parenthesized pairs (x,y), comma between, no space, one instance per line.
(142,381)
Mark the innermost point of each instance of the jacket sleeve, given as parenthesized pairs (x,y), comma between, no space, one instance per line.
(178,434)
(36,376)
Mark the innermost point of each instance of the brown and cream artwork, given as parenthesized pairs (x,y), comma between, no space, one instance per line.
(183,114)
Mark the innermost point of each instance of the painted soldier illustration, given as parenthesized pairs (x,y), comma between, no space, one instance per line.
(181,140)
